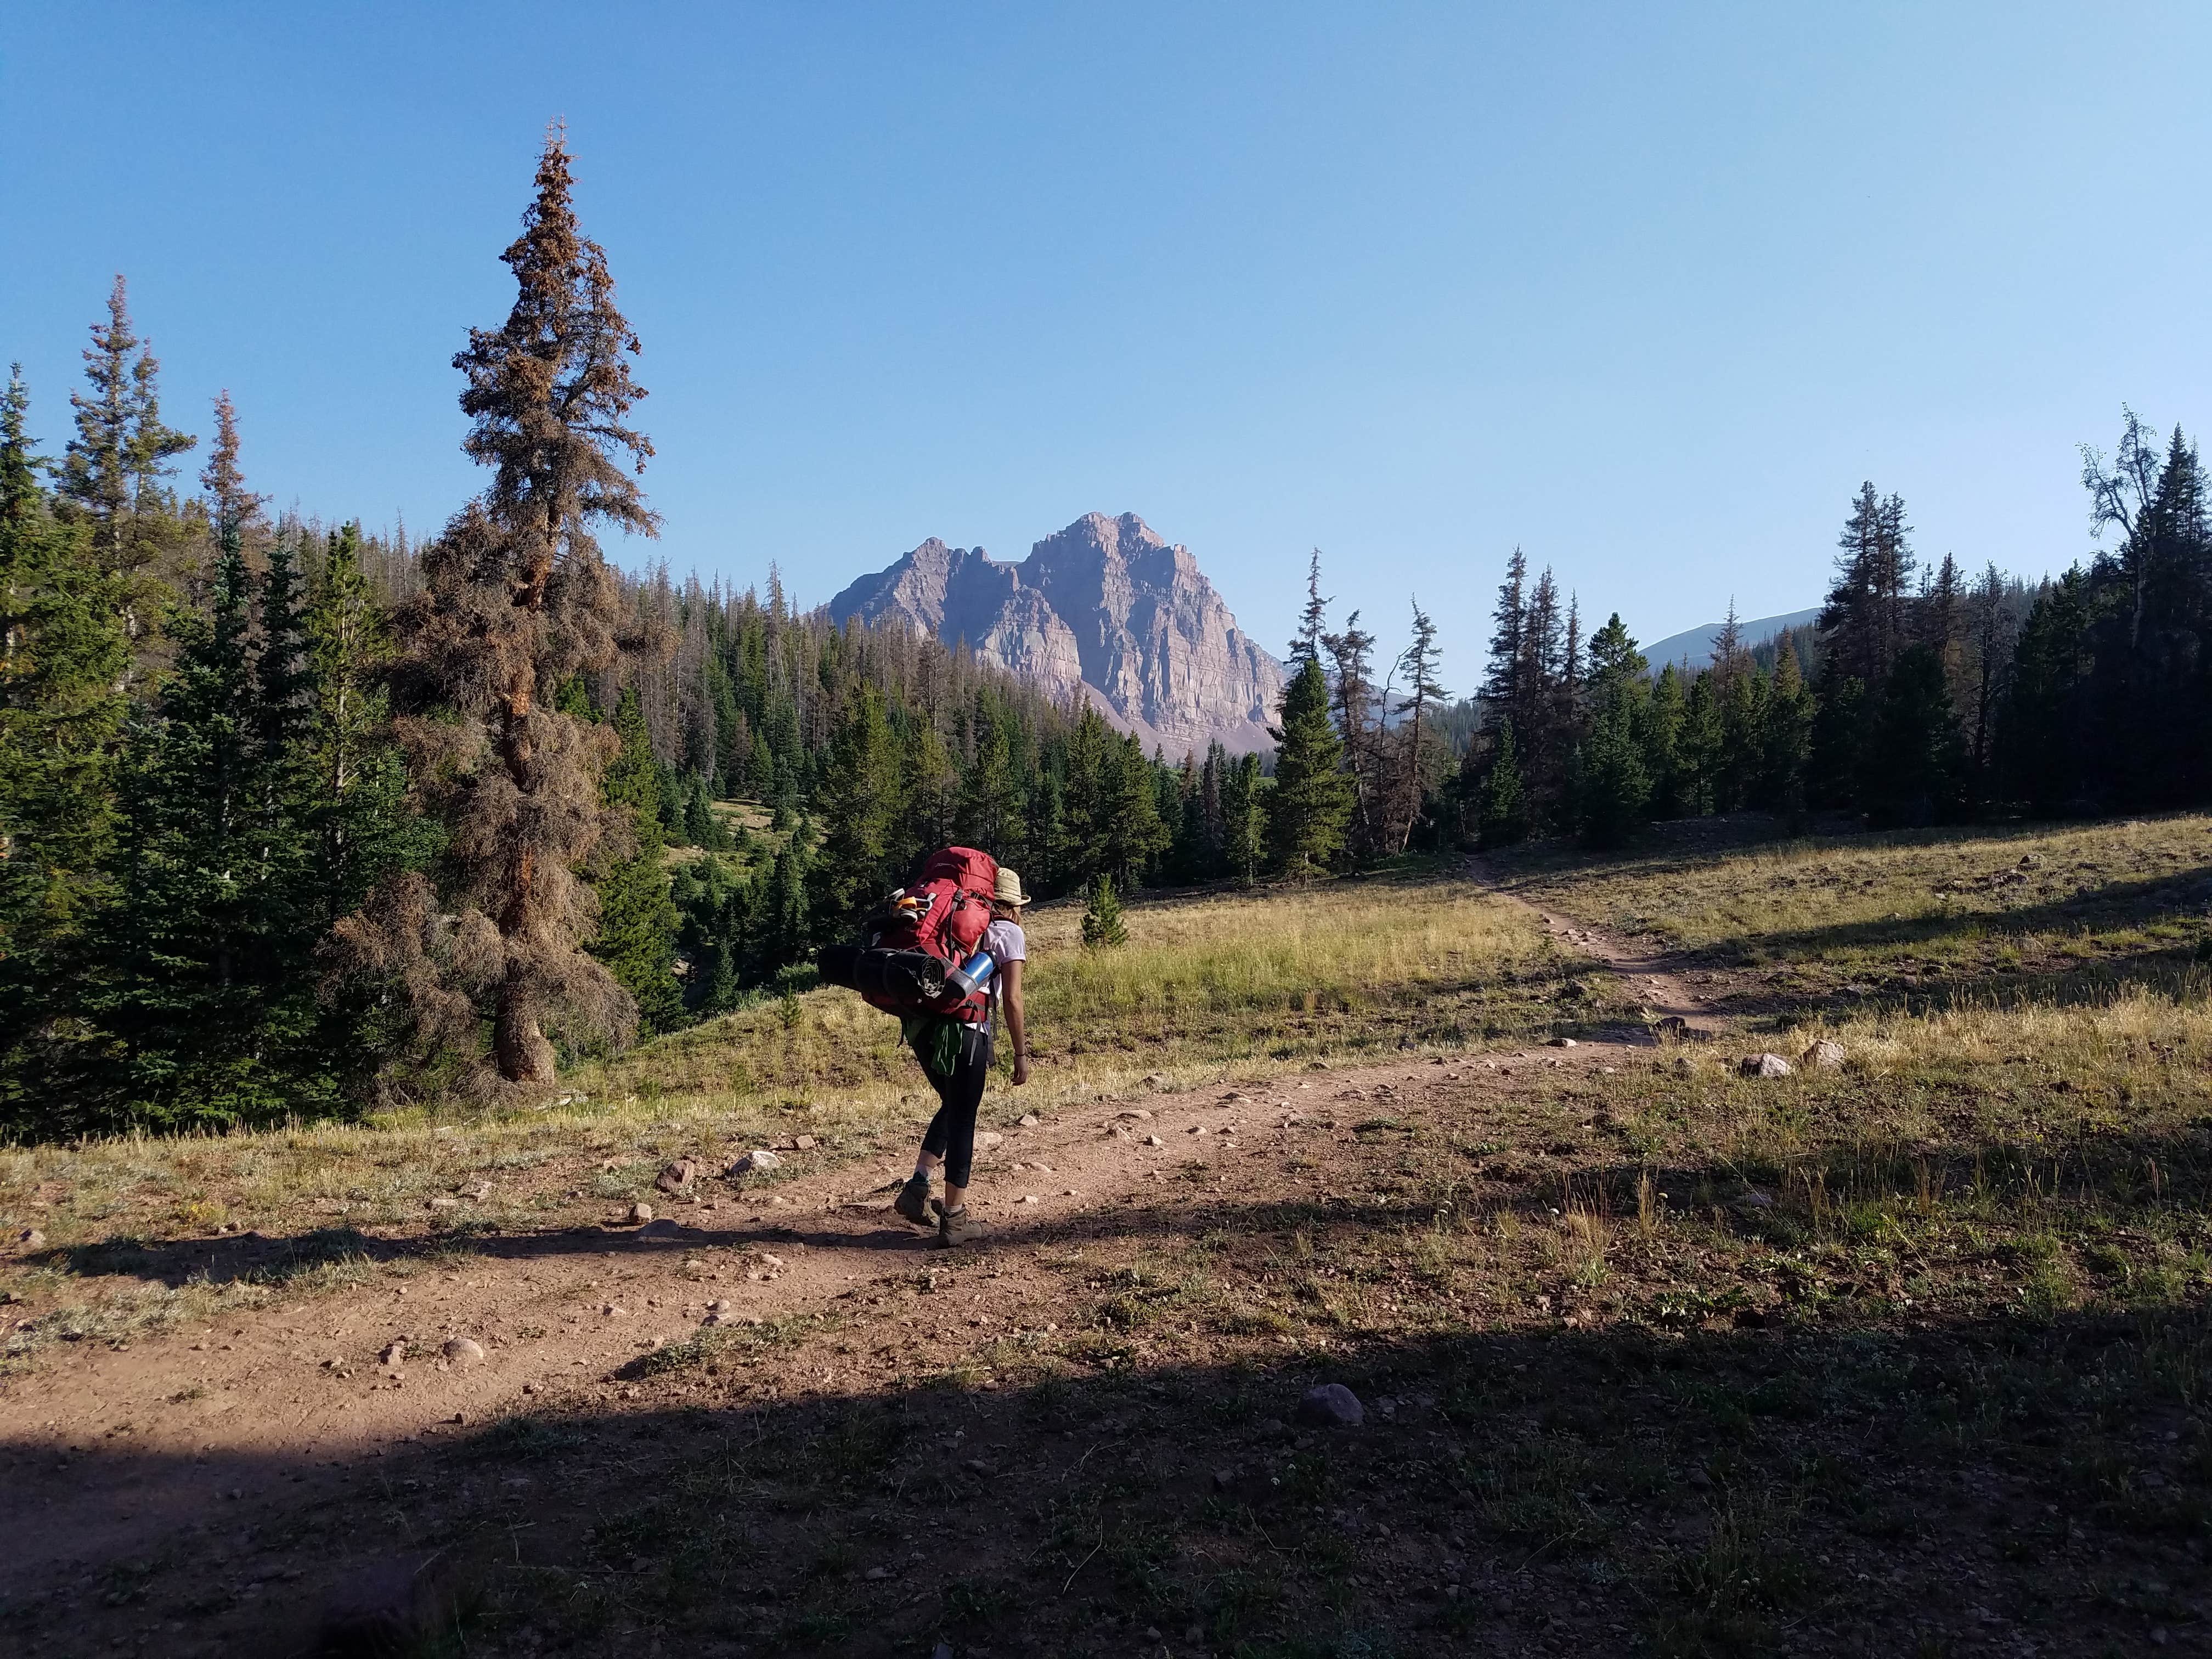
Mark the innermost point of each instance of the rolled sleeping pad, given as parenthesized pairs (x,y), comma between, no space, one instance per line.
(837,964)
(914,975)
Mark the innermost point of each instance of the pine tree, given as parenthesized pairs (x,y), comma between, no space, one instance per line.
(863,853)
(990,800)
(1663,715)
(1784,738)
(1989,627)
(1312,799)
(115,464)
(1131,832)
(63,652)
(1244,820)
(1915,758)
(1418,666)
(784,933)
(2040,726)
(1613,787)
(516,599)
(1213,781)
(1864,623)
(1502,688)
(1313,620)
(1351,676)
(931,792)
(1613,783)
(1103,928)
(1502,819)
(365,828)
(206,986)
(1090,765)
(638,920)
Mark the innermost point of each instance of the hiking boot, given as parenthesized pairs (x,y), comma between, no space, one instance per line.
(913,1201)
(953,1227)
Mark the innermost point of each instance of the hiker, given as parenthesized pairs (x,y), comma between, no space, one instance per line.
(951,1142)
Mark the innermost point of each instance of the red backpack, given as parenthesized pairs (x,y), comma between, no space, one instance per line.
(942,915)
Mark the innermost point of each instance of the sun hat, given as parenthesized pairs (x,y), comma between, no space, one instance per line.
(1009,889)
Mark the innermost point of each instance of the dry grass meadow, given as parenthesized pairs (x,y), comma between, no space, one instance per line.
(1907,1356)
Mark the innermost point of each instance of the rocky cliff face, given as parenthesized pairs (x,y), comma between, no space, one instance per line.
(1106,611)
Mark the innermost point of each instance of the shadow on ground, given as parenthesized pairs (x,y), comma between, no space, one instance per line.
(2036,1483)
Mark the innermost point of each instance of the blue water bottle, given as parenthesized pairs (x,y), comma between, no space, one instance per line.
(969,976)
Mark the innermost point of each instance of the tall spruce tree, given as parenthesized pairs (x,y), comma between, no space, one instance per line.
(114,466)
(638,921)
(864,852)
(517,598)
(1915,758)
(1614,784)
(1419,767)
(1244,820)
(1350,653)
(63,652)
(1311,800)
(1502,816)
(365,828)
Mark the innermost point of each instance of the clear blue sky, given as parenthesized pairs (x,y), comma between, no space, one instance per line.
(1646,290)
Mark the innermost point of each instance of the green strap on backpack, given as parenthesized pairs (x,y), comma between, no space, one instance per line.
(935,1041)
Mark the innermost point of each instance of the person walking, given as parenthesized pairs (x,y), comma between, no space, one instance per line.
(958,1068)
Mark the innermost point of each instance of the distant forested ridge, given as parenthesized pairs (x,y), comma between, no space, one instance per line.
(297,819)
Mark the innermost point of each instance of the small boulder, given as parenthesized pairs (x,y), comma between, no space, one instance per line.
(640,1214)
(441,1203)
(1029,1119)
(759,1161)
(1154,1140)
(1331,1406)
(989,1139)
(30,1238)
(461,1352)
(678,1178)
(803,1144)
(394,1351)
(658,1229)
(1825,1056)
(405,1604)
(1765,1066)
(1565,1042)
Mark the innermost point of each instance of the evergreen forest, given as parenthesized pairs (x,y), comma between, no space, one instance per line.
(298,820)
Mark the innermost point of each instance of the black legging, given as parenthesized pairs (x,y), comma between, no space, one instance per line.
(952,1132)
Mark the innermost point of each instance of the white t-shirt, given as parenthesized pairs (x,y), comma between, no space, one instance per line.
(1007,943)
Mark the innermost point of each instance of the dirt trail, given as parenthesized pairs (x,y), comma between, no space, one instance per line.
(221,1431)
(218,1431)
(1654,979)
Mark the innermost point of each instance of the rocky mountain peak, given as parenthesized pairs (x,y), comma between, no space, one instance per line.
(1104,609)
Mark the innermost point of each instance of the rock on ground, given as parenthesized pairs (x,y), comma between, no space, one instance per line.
(1765,1066)
(397,1606)
(759,1161)
(641,1212)
(1825,1056)
(678,1176)
(1331,1406)
(461,1351)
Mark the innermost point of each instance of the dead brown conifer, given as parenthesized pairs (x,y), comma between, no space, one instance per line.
(516,599)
